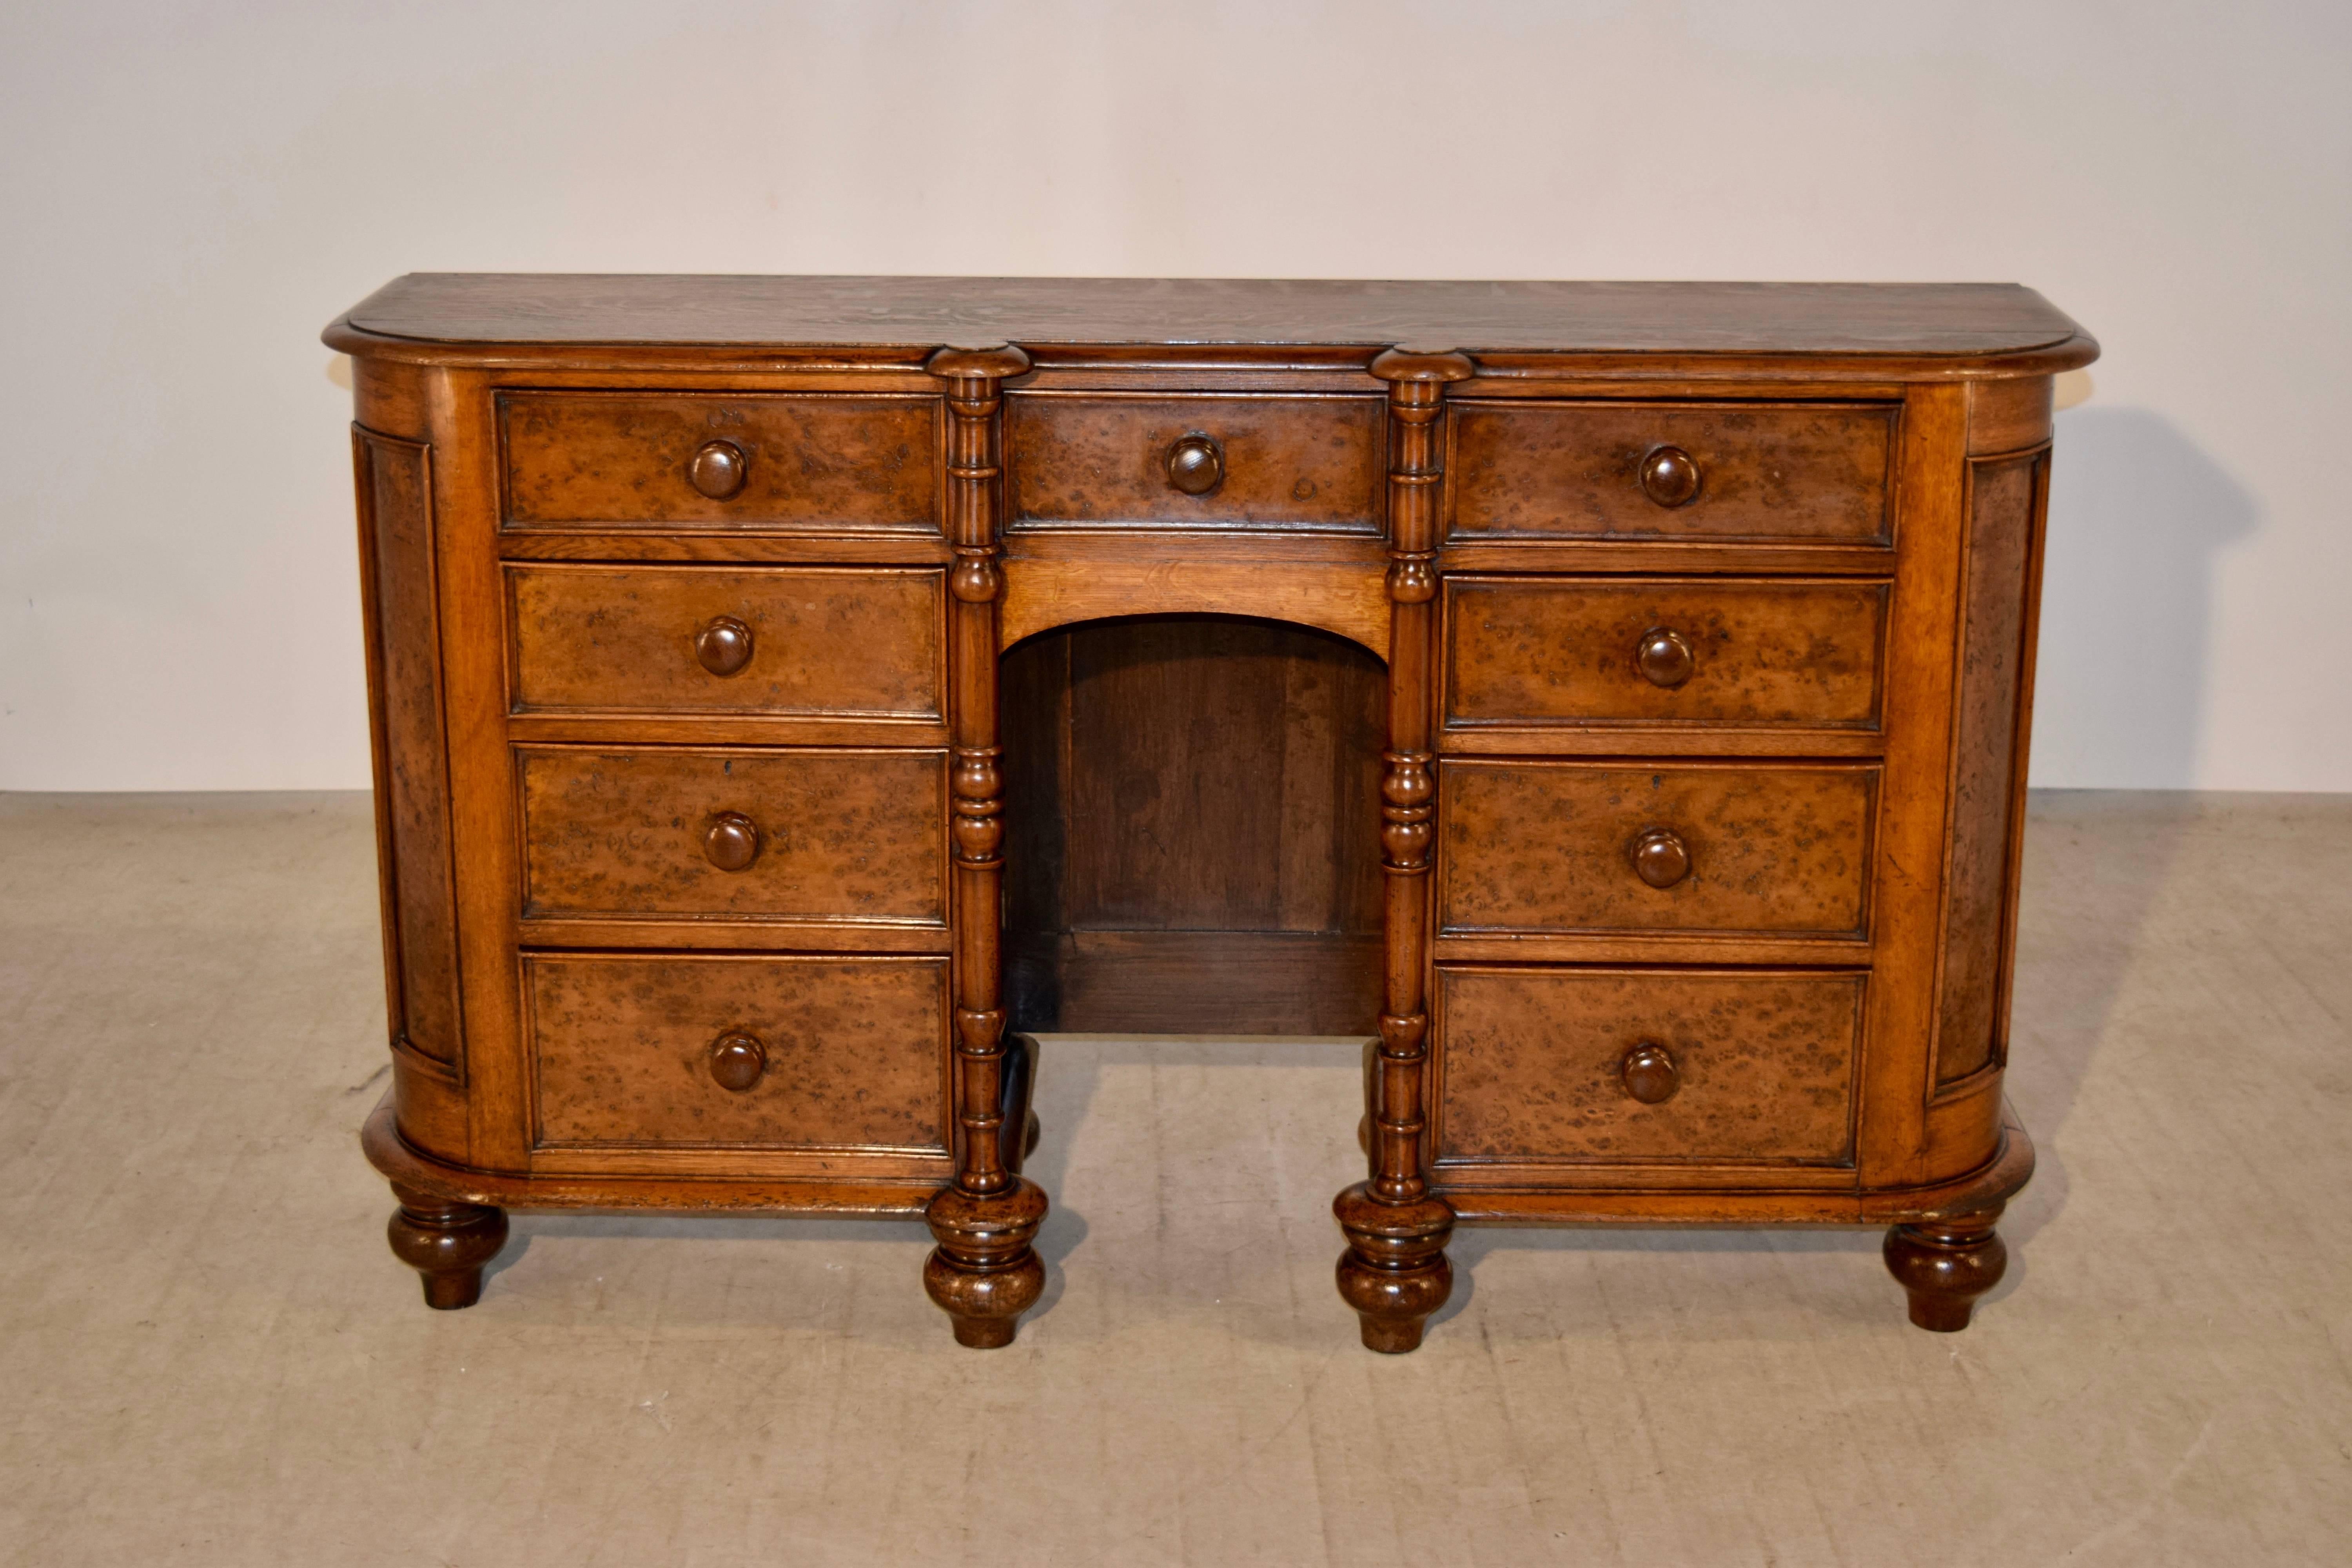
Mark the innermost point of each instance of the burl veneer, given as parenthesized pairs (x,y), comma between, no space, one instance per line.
(1611,698)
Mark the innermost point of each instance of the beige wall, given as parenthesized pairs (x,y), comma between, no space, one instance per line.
(191,191)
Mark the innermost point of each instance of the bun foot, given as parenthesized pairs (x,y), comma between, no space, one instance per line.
(446,1243)
(1394,1272)
(1943,1265)
(984,1273)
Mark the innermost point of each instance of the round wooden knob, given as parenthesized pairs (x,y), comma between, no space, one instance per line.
(724,645)
(732,841)
(1649,1073)
(1663,657)
(737,1060)
(1196,465)
(1669,477)
(718,469)
(1660,859)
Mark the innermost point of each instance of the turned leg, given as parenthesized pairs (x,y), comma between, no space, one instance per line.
(984,1273)
(1944,1265)
(1394,1272)
(448,1243)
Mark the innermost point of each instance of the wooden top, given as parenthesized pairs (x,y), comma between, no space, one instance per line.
(1963,321)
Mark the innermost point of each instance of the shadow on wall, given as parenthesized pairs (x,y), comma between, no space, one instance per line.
(2137,514)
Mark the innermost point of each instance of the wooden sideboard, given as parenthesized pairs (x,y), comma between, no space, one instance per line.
(789,693)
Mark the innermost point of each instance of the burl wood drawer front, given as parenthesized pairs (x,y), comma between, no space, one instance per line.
(763,640)
(827,836)
(1698,470)
(1558,653)
(743,1052)
(1195,460)
(1642,1066)
(856,462)
(1744,849)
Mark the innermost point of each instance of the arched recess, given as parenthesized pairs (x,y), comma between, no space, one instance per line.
(1192,827)
(1348,598)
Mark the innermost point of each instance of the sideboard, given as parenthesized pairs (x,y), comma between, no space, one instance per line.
(1609,700)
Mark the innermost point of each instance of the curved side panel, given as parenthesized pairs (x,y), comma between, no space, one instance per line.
(413,805)
(1993,692)
(1344,598)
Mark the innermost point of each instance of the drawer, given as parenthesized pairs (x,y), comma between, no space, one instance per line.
(1734,848)
(1571,1064)
(670,1051)
(852,462)
(1778,472)
(822,836)
(747,641)
(1553,652)
(1195,460)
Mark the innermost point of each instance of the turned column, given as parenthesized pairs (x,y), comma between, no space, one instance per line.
(1394,1272)
(984,1273)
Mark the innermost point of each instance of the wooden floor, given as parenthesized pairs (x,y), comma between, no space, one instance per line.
(211,1358)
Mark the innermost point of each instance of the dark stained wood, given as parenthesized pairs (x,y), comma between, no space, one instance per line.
(1958,319)
(1534,1066)
(1099,459)
(1649,1072)
(1669,476)
(783,687)
(1552,652)
(1945,1265)
(718,469)
(622,1049)
(843,837)
(1212,777)
(776,641)
(1762,471)
(2005,509)
(984,1271)
(1194,982)
(579,459)
(446,1243)
(1755,848)
(1395,1272)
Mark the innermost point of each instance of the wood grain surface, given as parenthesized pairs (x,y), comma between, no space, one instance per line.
(585,308)
(1528,652)
(1205,775)
(1529,1065)
(411,748)
(725,629)
(621,1048)
(2005,502)
(813,461)
(1567,470)
(845,836)
(1547,847)
(591,639)
(1304,464)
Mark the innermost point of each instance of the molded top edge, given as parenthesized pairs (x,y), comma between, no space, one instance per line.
(1958,321)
